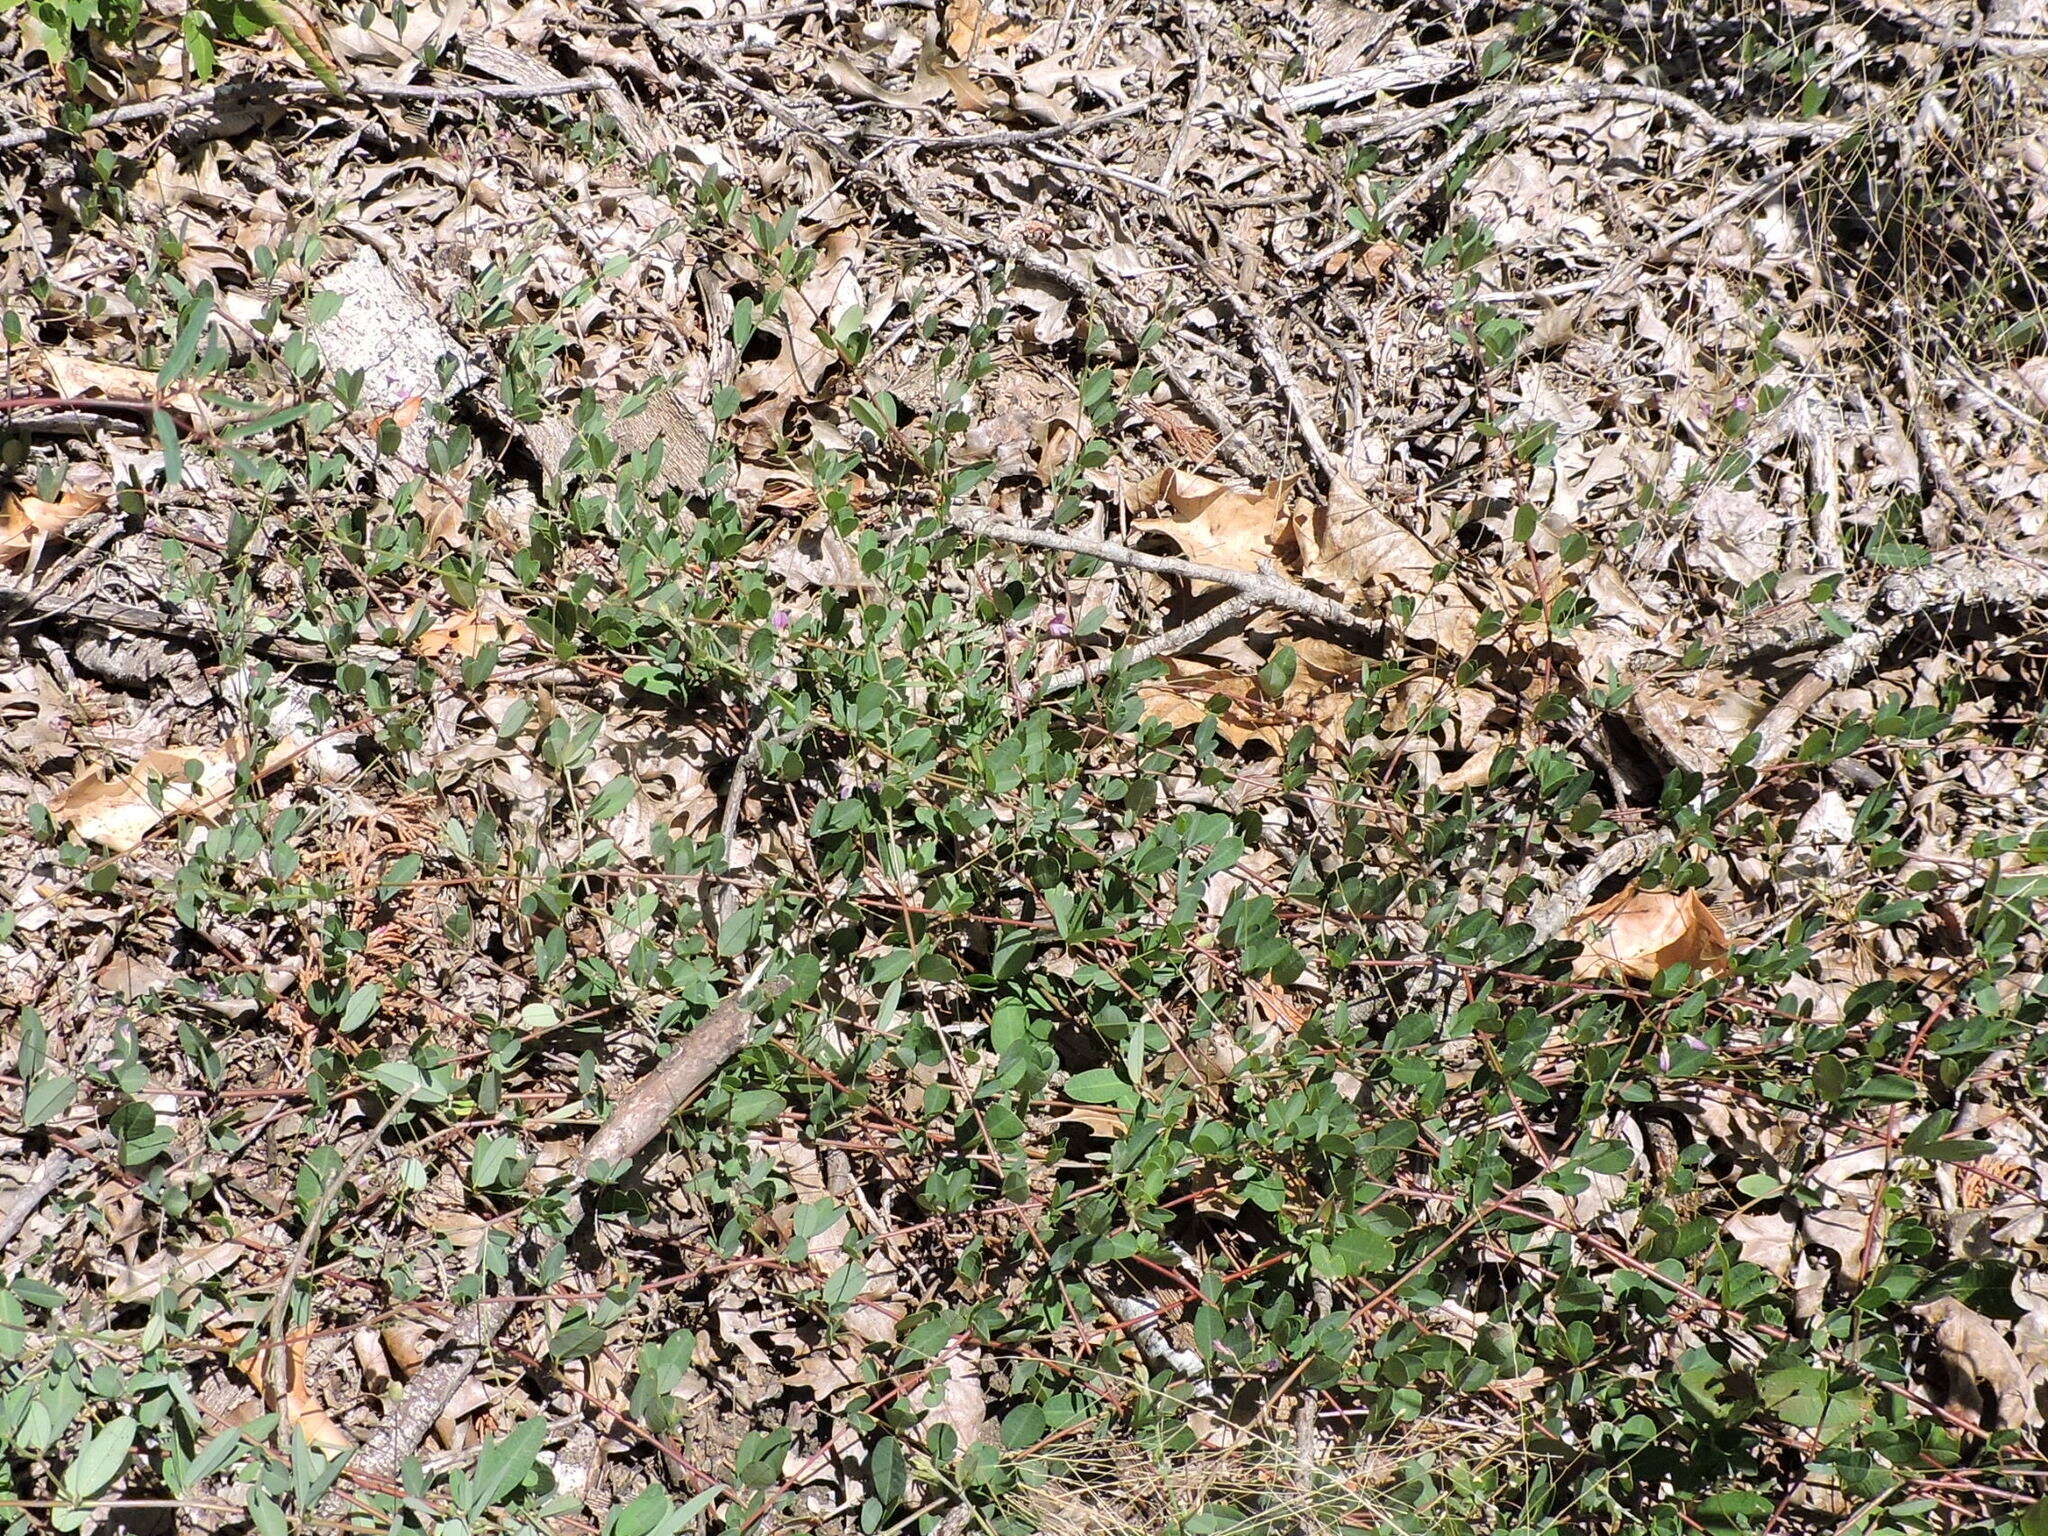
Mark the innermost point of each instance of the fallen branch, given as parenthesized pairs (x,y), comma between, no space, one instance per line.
(1169,643)
(40,1186)
(1267,588)
(637,1119)
(247,93)
(1964,579)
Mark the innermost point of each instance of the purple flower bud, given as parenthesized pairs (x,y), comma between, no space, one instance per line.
(780,620)
(1060,626)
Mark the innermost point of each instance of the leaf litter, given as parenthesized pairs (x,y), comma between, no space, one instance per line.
(496,433)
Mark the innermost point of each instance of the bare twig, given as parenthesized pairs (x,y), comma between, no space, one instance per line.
(131,618)
(1270,590)
(636,1120)
(280,92)
(1169,643)
(1198,36)
(41,1185)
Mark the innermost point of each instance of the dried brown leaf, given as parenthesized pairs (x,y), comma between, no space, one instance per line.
(1182,698)
(1977,1351)
(27,522)
(833,288)
(85,377)
(1347,543)
(118,810)
(979,26)
(466,634)
(1639,933)
(297,1404)
(1211,522)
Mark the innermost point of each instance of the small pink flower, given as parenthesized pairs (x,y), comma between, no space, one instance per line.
(780,620)
(1059,626)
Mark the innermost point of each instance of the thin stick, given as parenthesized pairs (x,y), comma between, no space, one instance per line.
(253,92)
(1270,589)
(1170,643)
(40,1186)
(634,1122)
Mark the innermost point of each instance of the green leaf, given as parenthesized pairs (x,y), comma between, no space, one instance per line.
(401,1077)
(166,428)
(846,1284)
(1101,1085)
(640,1516)
(47,1100)
(503,1466)
(264,1514)
(214,1455)
(887,1469)
(99,1462)
(361,1008)
(190,335)
(755,1106)
(13,1326)
(1024,1426)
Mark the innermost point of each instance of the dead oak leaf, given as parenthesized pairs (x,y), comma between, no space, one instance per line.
(28,522)
(1213,523)
(1639,933)
(118,810)
(465,634)
(1346,543)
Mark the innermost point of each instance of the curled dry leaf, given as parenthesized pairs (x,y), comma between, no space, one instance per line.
(1639,933)
(118,810)
(1213,523)
(297,1404)
(1978,1355)
(27,522)
(466,634)
(1347,543)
